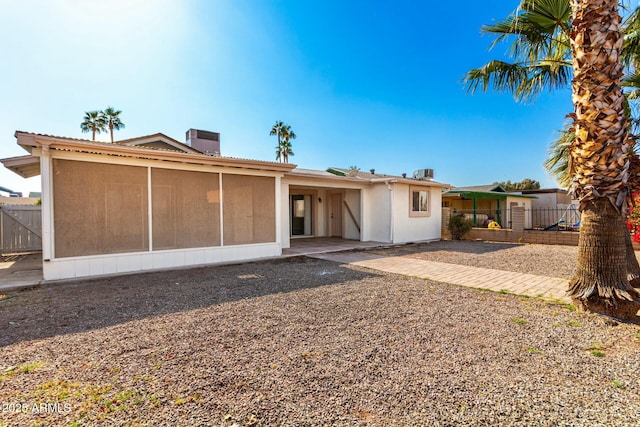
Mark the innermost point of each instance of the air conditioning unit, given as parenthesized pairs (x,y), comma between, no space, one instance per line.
(204,141)
(423,174)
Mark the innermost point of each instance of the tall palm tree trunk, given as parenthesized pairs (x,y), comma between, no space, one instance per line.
(601,162)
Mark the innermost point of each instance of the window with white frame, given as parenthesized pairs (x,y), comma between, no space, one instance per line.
(419,202)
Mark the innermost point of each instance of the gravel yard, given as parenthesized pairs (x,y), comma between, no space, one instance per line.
(305,342)
(543,260)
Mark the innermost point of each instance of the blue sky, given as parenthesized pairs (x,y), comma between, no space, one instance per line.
(362,83)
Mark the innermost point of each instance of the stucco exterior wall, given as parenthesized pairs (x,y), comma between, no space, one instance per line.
(413,229)
(545,201)
(377,205)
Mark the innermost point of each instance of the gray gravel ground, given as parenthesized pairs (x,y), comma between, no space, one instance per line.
(304,342)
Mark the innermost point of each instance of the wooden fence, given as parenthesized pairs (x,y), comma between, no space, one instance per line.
(20,229)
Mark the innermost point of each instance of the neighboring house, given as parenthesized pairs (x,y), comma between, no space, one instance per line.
(549,198)
(153,202)
(481,202)
(553,207)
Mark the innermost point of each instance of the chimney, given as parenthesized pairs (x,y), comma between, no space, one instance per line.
(205,141)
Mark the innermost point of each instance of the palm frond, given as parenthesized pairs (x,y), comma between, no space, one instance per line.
(558,161)
(539,32)
(502,76)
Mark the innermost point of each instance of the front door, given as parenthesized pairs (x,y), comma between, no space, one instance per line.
(335,216)
(297,215)
(301,215)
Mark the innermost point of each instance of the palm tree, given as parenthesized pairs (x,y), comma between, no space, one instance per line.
(286,150)
(553,40)
(287,135)
(93,122)
(112,120)
(599,157)
(276,129)
(284,134)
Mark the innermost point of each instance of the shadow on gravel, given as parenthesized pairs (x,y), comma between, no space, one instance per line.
(461,246)
(79,306)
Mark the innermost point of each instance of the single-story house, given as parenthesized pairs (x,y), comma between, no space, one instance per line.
(155,203)
(485,202)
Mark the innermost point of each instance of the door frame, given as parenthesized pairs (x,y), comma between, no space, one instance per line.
(314,212)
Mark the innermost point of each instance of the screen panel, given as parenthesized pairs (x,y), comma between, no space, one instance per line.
(185,209)
(249,209)
(99,208)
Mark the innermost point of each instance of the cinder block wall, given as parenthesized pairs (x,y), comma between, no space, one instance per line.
(515,235)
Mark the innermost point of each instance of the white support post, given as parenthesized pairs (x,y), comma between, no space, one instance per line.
(150,209)
(48,234)
(278,204)
(221,209)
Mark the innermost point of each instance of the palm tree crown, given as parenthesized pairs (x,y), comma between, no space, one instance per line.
(287,136)
(93,122)
(112,120)
(284,134)
(540,50)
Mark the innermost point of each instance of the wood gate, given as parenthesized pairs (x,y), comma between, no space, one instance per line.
(20,229)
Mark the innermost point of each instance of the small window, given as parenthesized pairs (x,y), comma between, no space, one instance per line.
(420,202)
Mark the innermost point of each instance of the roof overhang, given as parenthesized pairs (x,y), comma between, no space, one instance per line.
(30,141)
(320,176)
(483,195)
(25,166)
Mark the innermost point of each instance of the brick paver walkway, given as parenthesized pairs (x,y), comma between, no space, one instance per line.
(551,288)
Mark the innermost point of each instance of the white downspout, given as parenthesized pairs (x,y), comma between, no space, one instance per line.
(390,188)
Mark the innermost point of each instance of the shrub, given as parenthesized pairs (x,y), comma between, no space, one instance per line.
(458,226)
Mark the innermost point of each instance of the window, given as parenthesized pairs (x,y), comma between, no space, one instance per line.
(419,202)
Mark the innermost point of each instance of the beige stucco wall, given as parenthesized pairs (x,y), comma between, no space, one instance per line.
(378,210)
(414,229)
